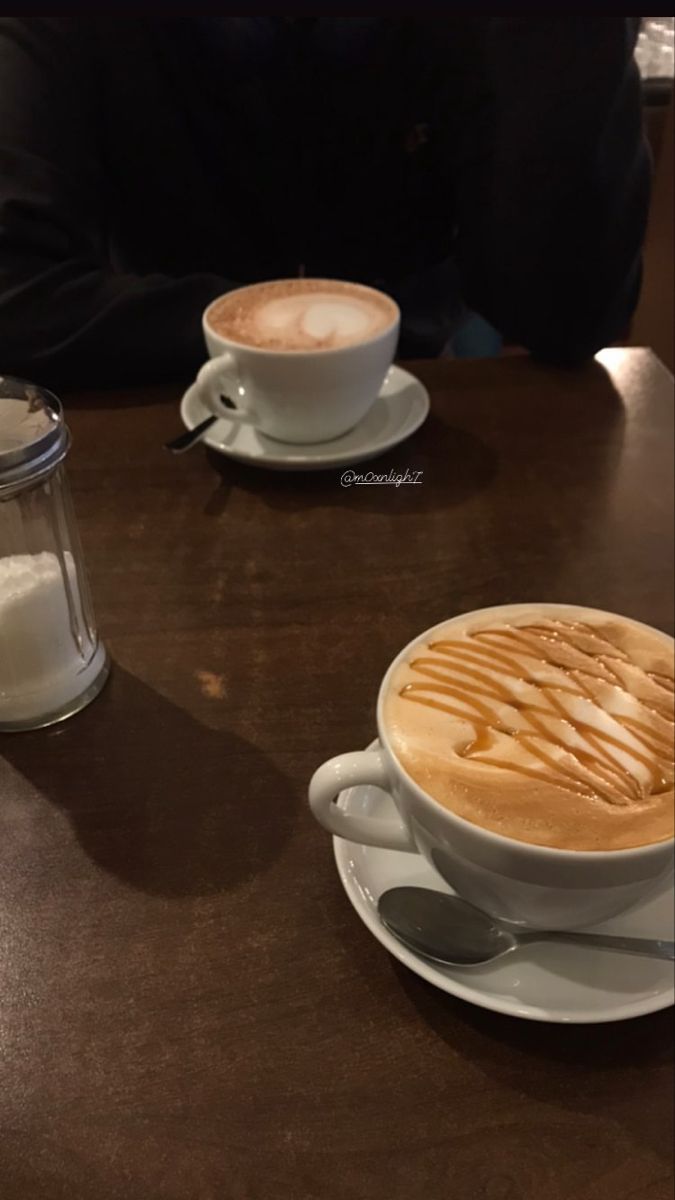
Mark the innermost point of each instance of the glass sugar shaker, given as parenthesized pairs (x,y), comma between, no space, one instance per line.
(51,660)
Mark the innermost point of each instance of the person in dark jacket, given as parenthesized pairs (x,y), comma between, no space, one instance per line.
(149,164)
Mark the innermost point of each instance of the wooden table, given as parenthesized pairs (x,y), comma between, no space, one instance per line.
(189,1008)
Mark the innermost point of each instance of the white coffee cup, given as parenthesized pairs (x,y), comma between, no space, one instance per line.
(299,396)
(540,886)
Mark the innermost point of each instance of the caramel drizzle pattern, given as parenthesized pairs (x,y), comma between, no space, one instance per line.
(457,667)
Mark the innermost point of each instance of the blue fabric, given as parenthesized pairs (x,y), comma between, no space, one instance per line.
(476,338)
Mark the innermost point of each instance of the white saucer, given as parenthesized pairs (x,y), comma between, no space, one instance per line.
(542,982)
(401,407)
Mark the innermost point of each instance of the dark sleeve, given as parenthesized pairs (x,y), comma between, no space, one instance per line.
(66,317)
(553,180)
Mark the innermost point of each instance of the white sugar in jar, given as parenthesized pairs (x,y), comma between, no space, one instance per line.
(51,660)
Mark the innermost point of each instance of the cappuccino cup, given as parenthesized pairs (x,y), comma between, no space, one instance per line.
(303,360)
(528,754)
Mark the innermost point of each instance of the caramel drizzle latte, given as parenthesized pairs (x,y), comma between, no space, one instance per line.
(620,758)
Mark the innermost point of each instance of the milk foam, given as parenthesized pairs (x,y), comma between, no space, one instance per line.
(299,314)
(319,318)
(553,730)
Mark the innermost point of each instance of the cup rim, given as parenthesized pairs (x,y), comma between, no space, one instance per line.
(231,344)
(500,840)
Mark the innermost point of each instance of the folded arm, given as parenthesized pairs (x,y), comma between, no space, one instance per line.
(66,317)
(553,180)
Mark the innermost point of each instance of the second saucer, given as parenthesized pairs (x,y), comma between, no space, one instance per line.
(401,407)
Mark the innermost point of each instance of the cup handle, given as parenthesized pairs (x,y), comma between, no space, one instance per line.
(220,374)
(350,770)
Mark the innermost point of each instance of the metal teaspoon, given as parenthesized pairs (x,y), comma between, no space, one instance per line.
(448,930)
(185,441)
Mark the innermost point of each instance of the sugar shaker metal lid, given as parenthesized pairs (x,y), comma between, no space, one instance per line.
(33,434)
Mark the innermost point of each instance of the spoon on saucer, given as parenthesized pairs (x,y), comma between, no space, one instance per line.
(185,441)
(451,931)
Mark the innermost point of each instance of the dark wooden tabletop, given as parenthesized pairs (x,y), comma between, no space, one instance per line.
(189,1007)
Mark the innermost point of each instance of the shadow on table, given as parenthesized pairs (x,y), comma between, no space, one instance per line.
(104,397)
(455,464)
(567,1065)
(155,798)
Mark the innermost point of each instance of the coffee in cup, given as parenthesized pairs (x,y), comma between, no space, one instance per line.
(528,752)
(303,360)
(553,731)
(302,314)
